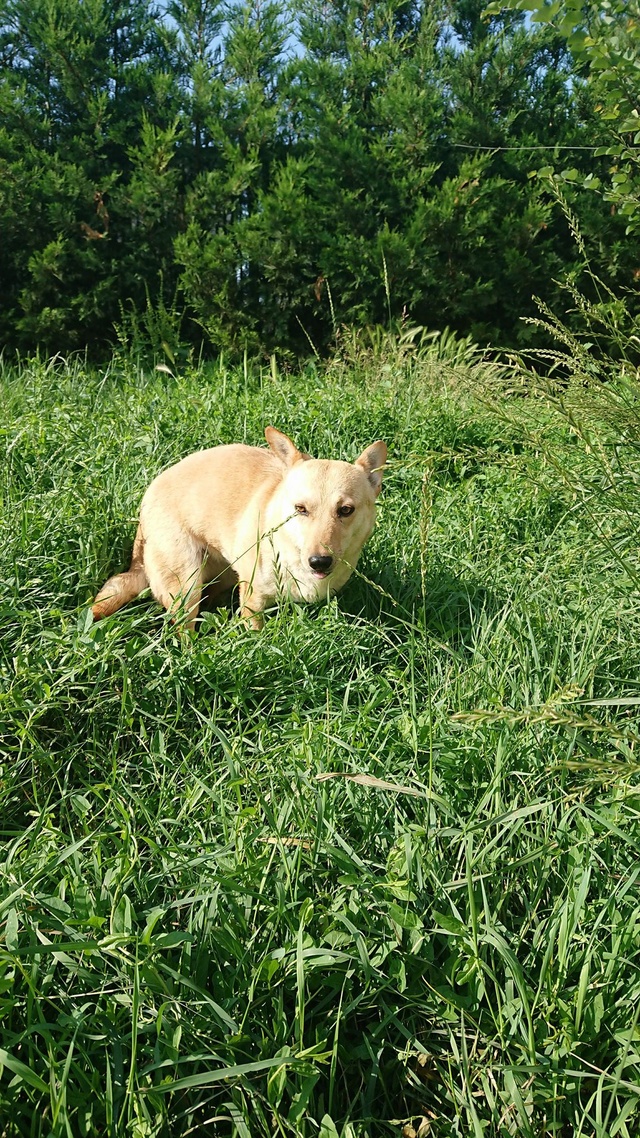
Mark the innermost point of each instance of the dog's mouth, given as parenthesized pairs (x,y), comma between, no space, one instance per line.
(319,576)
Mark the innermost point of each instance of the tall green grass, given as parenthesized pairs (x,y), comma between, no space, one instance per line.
(372,871)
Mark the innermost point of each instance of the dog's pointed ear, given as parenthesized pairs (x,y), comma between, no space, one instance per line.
(372,462)
(282,446)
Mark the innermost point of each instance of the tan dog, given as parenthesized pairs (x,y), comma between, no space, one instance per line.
(277,521)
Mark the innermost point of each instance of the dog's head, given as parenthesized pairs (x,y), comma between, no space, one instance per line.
(325,511)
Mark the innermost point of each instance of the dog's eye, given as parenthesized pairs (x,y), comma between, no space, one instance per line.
(300,509)
(345,511)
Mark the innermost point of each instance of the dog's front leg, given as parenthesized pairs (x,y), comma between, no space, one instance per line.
(251,613)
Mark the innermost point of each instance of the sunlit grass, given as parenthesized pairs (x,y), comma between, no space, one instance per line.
(201,931)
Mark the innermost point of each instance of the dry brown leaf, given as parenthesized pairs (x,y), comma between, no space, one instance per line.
(369,780)
(287,842)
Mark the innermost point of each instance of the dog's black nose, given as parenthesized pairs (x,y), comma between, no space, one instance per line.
(320,564)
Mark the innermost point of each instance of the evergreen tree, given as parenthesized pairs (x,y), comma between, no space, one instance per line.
(87,133)
(510,99)
(380,196)
(218,277)
(197,66)
(287,168)
(359,83)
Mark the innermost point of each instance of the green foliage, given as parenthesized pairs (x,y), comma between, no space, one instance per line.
(372,212)
(287,172)
(85,165)
(375,867)
(605,41)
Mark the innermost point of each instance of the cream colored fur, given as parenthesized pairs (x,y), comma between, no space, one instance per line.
(256,516)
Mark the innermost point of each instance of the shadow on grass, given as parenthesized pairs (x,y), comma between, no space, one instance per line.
(450,609)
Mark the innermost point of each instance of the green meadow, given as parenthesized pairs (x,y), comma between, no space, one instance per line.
(373,871)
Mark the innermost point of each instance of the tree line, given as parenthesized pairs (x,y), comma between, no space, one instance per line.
(270,170)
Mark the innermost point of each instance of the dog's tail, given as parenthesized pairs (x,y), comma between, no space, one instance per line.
(123,587)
